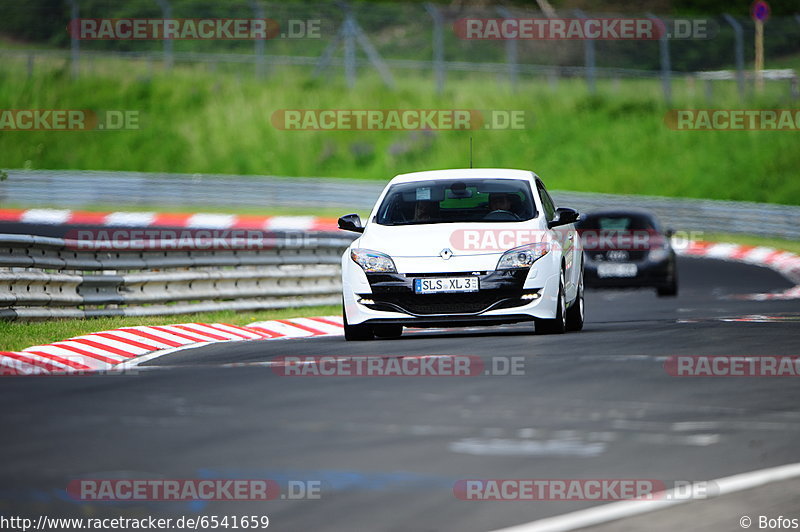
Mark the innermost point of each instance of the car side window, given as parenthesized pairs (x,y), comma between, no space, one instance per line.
(547,202)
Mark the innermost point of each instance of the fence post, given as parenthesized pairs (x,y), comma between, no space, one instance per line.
(349,50)
(511,51)
(75,47)
(259,45)
(737,31)
(589,58)
(166,12)
(438,45)
(666,68)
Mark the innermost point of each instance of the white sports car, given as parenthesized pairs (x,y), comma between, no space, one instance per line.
(462,248)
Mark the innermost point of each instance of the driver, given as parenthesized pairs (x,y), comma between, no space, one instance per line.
(426,211)
(499,201)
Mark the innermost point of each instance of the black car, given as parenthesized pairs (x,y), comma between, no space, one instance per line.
(628,248)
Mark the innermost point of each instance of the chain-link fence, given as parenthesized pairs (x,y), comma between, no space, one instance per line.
(336,39)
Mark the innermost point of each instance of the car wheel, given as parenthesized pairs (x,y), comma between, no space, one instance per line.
(388,331)
(557,325)
(355,333)
(575,312)
(671,290)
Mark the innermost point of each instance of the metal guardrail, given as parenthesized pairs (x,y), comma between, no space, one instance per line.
(73,189)
(42,277)
(699,215)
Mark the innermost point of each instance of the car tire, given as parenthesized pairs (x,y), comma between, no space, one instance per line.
(576,311)
(671,290)
(388,331)
(356,333)
(557,325)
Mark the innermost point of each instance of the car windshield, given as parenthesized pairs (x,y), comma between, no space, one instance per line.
(616,222)
(457,200)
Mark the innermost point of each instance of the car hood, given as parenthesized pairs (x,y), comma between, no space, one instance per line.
(462,239)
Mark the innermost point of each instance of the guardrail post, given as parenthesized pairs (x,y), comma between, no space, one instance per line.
(438,45)
(511,51)
(74,45)
(666,68)
(166,12)
(259,44)
(737,32)
(589,58)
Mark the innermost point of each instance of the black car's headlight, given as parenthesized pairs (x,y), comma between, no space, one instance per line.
(658,254)
(522,257)
(373,261)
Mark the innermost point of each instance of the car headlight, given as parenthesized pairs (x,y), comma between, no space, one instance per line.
(373,261)
(658,254)
(522,257)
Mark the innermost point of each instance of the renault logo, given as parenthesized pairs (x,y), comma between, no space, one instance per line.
(446,253)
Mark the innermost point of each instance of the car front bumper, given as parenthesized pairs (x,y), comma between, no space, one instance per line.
(390,298)
(648,274)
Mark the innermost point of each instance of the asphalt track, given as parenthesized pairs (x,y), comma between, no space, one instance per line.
(388,451)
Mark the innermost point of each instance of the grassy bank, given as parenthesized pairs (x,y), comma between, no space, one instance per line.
(193,120)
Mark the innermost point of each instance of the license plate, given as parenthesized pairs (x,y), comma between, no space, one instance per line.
(617,270)
(441,285)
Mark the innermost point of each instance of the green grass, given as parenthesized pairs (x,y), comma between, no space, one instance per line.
(194,120)
(15,336)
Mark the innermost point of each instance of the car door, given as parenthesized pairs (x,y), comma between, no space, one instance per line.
(567,236)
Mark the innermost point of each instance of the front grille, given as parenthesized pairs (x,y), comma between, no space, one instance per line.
(470,303)
(395,292)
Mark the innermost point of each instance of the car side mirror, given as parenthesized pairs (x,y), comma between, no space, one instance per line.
(351,222)
(563,216)
(669,233)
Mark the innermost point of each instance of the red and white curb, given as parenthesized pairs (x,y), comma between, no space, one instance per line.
(119,348)
(783,262)
(154,219)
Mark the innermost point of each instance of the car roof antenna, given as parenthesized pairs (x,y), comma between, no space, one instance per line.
(470,151)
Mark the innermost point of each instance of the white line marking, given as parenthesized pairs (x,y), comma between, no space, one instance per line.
(619,510)
(289,222)
(211,221)
(157,354)
(136,219)
(46,216)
